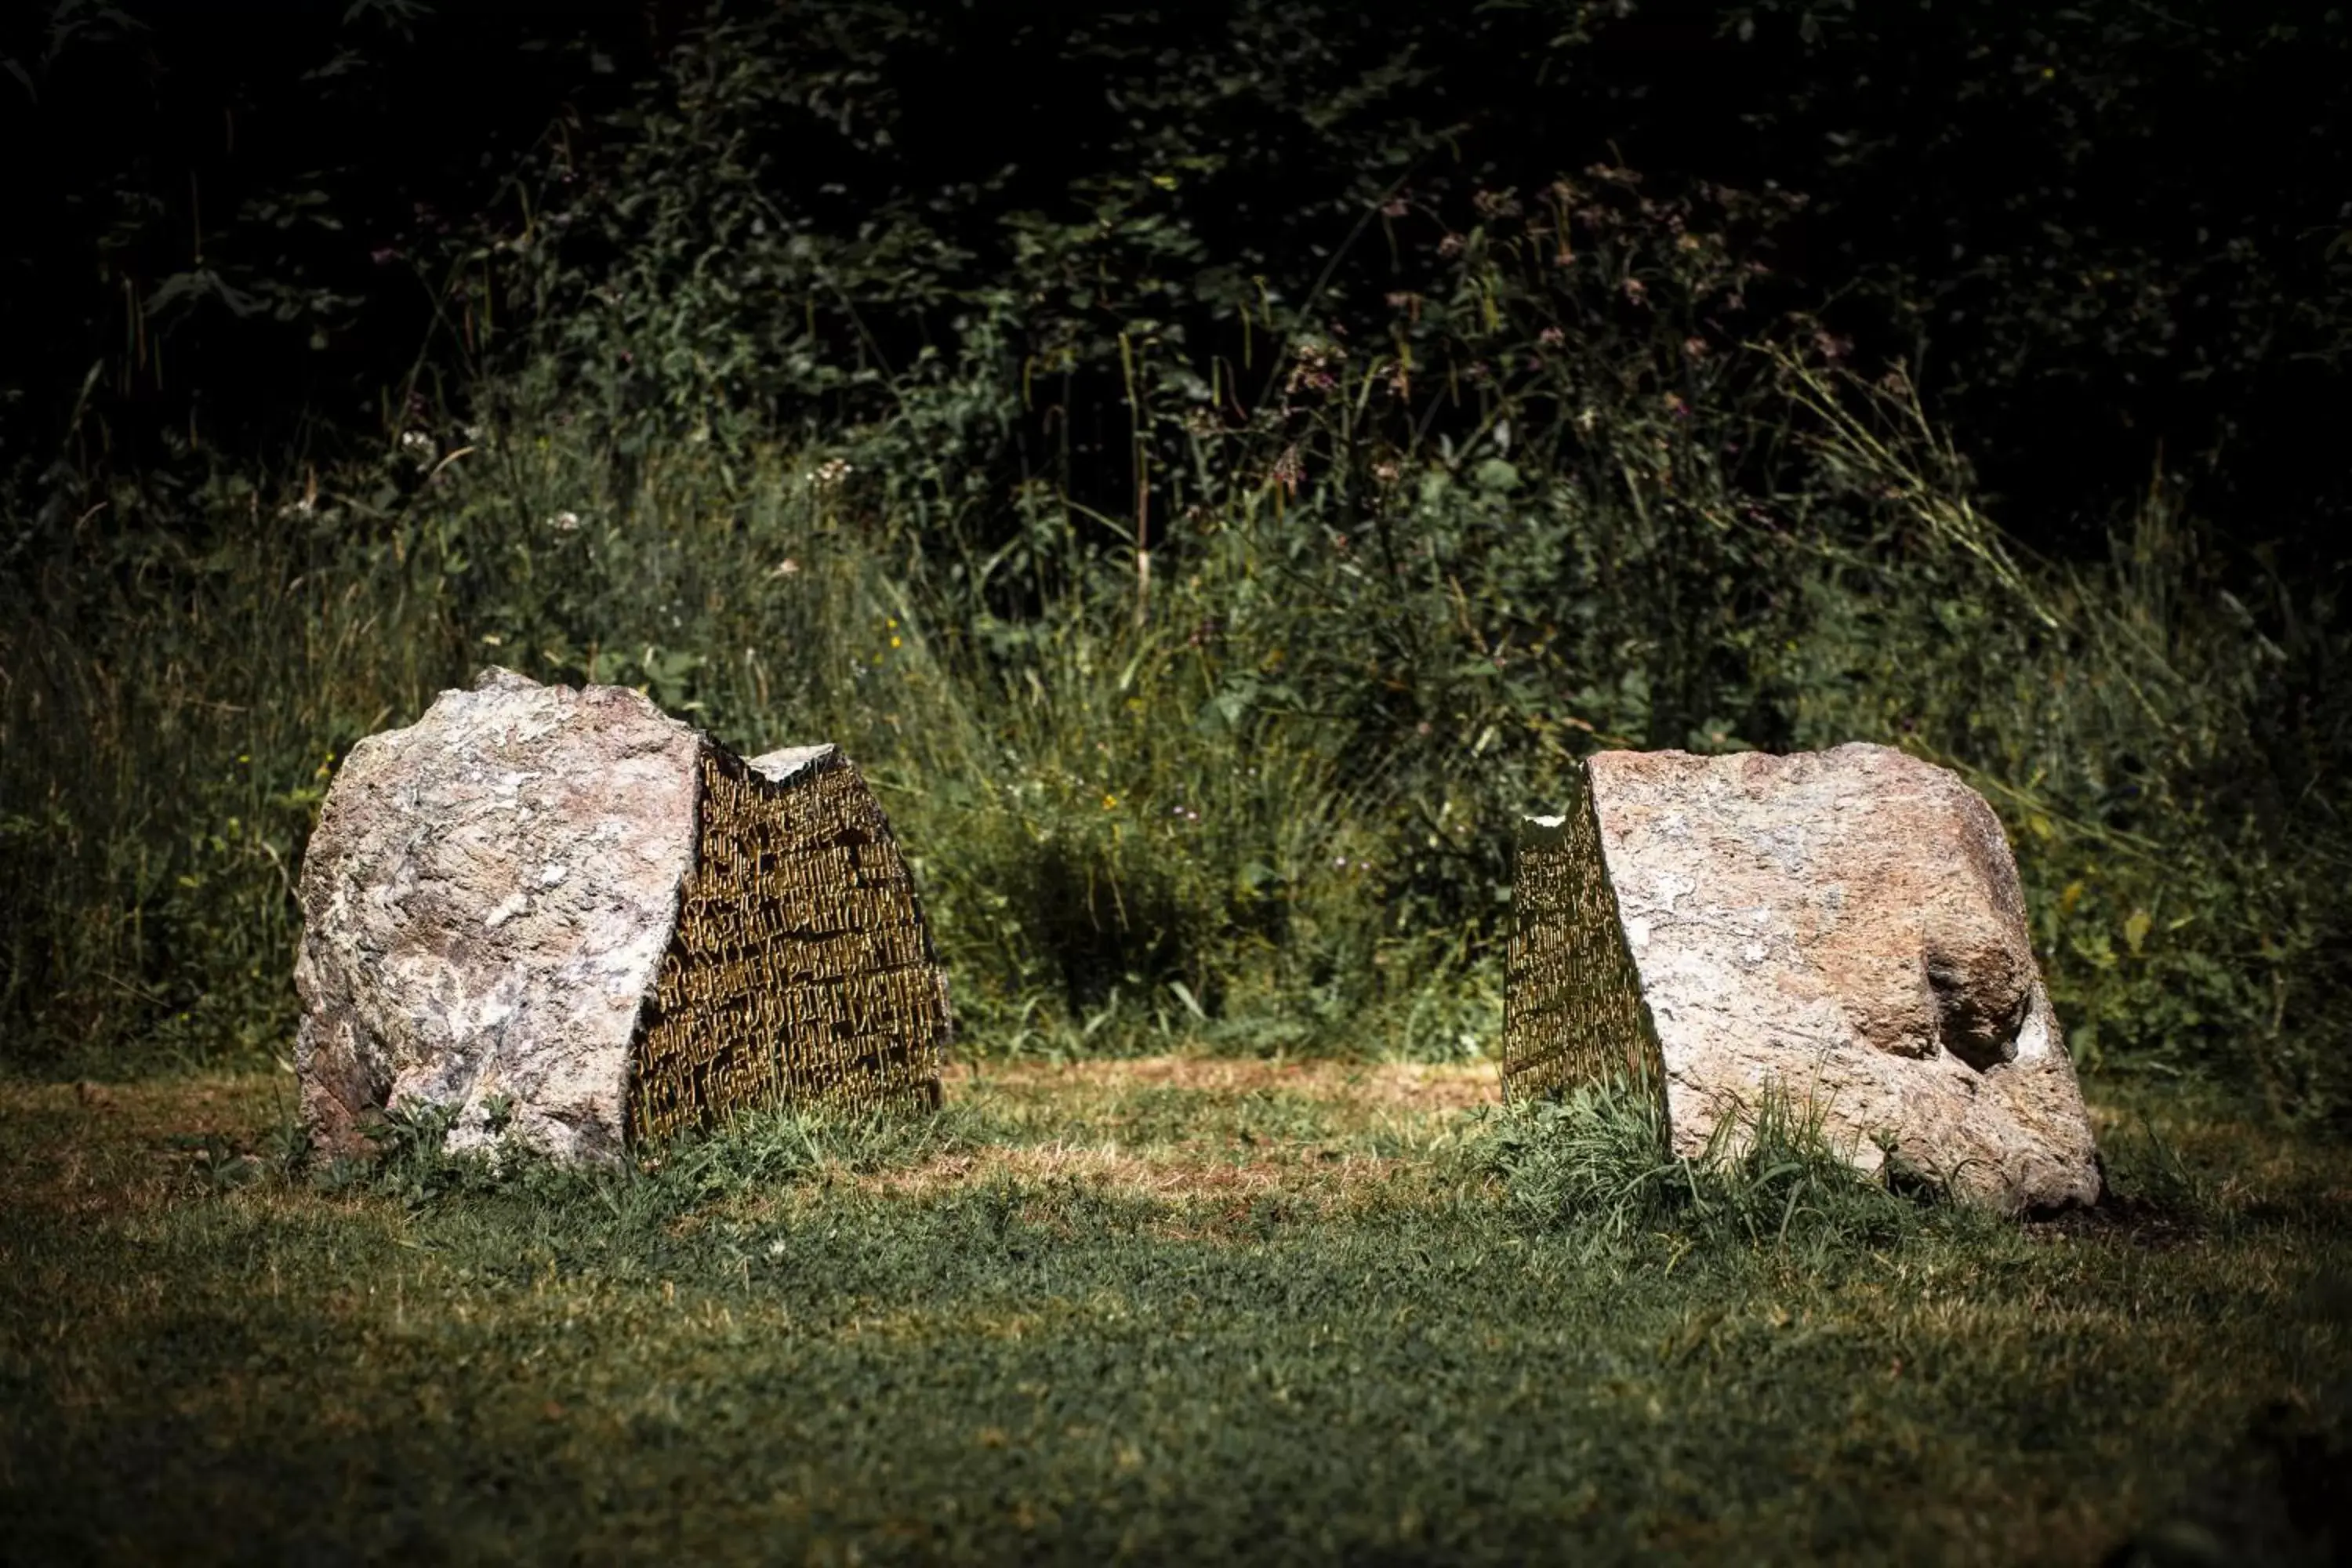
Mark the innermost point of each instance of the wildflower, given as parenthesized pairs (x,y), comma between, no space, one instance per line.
(1110,803)
(1551,337)
(1289,468)
(1313,368)
(1637,291)
(1696,347)
(787,567)
(564,522)
(417,444)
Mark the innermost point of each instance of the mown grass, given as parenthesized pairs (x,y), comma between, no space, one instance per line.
(1150,1309)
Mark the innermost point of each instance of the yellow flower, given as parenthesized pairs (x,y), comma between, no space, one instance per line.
(1110,803)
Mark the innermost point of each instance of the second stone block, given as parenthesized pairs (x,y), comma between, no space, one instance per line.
(1841,929)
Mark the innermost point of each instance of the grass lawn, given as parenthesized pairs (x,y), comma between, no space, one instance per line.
(1156,1309)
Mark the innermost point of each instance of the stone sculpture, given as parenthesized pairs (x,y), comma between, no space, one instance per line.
(1844,928)
(564,917)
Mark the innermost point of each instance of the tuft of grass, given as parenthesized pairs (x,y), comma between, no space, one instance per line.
(1595,1162)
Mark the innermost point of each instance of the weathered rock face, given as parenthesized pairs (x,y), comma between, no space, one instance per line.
(1842,927)
(571,919)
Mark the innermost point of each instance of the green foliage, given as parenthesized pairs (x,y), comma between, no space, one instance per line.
(2102,231)
(1595,1158)
(1595,1162)
(2172,775)
(1202,629)
(173,712)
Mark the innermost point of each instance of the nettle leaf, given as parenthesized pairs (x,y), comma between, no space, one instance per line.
(188,288)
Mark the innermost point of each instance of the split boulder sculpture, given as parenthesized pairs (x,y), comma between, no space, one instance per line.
(1844,928)
(565,916)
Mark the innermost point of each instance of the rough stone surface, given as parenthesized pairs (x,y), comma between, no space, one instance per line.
(510,904)
(1843,927)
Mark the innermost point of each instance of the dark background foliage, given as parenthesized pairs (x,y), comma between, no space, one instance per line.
(2108,236)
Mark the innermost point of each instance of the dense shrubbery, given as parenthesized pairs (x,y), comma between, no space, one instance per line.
(1203,605)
